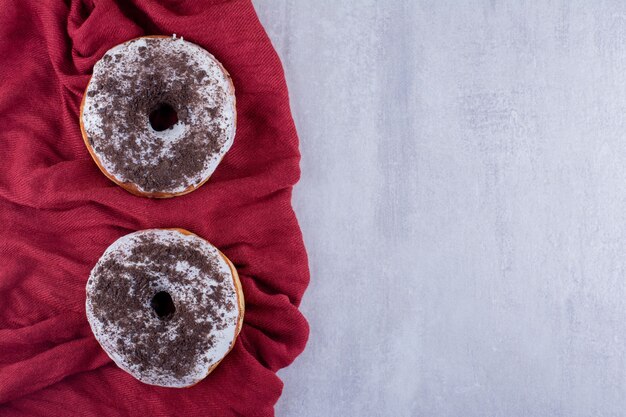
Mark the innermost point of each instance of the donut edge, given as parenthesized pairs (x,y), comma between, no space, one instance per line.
(130,186)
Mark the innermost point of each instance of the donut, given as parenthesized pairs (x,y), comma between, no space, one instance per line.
(165,305)
(158,115)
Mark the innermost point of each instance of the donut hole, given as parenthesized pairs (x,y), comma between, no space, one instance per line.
(163,305)
(163,117)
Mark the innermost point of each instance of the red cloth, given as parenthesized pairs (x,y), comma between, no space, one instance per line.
(58,213)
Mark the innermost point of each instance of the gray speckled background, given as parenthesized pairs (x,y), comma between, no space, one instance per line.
(463,201)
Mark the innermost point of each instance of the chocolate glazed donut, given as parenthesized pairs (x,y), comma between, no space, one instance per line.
(158,115)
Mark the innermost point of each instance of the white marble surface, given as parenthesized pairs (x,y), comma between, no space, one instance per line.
(463,201)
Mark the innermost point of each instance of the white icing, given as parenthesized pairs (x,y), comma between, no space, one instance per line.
(129,57)
(181,294)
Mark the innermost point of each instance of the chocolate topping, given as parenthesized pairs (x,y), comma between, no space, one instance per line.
(131,88)
(125,286)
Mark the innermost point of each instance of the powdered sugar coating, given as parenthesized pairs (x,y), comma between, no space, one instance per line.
(123,63)
(109,334)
